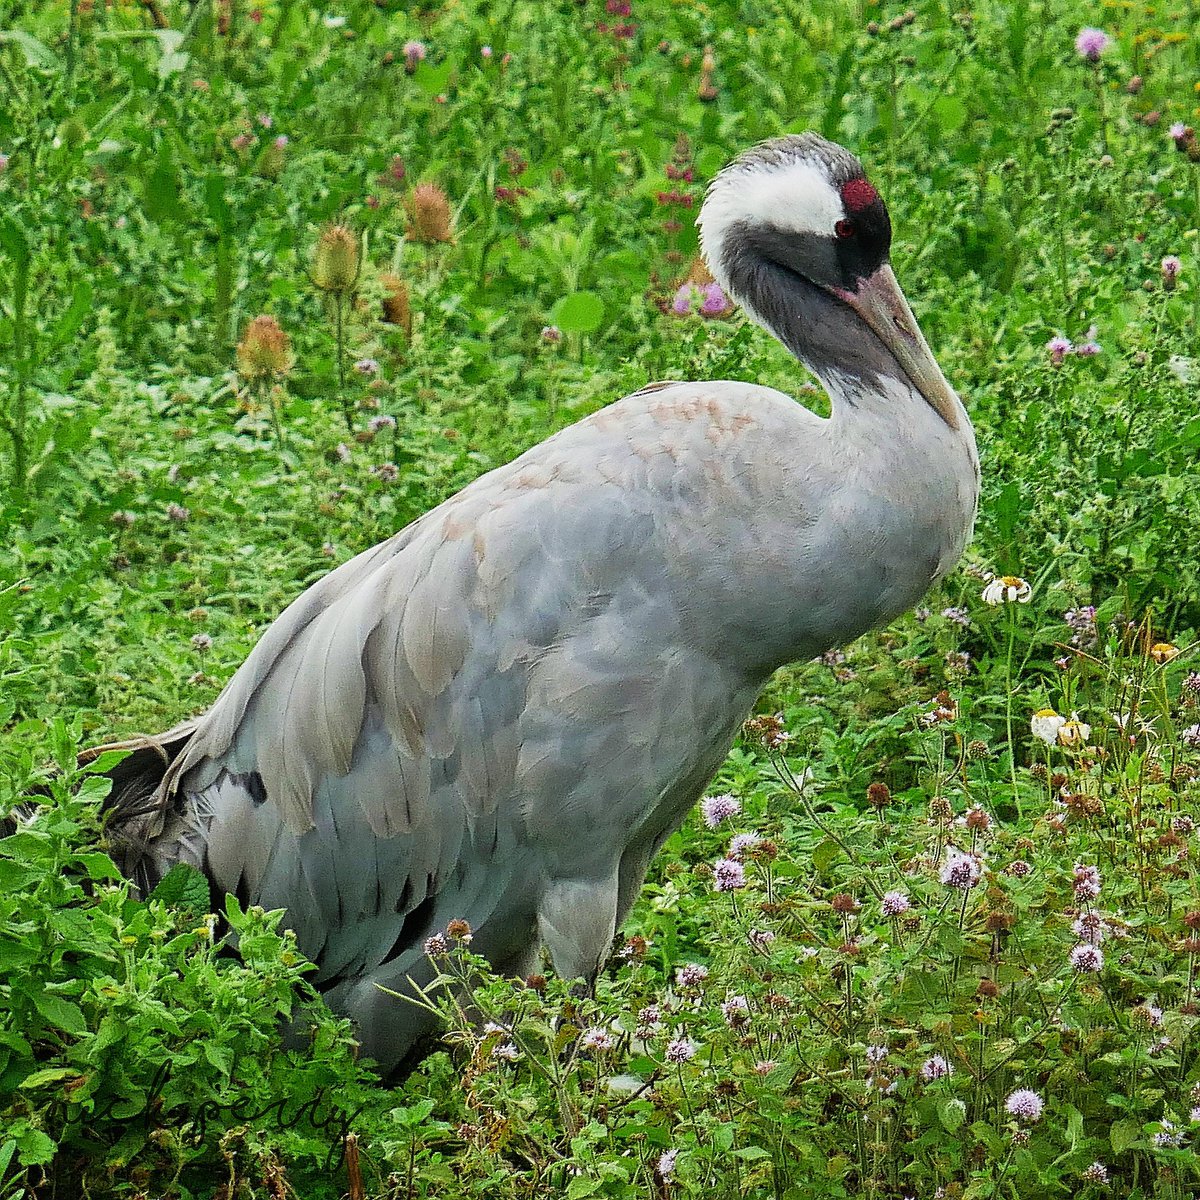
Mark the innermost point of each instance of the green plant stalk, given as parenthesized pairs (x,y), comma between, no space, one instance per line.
(340,334)
(16,421)
(1008,713)
(1196,277)
(72,43)
(223,304)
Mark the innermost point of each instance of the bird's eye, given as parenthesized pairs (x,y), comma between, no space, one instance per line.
(844,229)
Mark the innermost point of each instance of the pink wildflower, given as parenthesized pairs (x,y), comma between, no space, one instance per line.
(716,809)
(1091,43)
(729,875)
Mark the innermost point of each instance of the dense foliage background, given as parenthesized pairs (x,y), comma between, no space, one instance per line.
(468,224)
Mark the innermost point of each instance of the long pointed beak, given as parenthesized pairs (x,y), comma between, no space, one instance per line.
(881,303)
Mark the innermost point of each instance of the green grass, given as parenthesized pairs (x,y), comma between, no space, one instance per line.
(147,216)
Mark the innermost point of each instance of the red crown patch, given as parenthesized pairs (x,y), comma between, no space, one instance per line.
(858,194)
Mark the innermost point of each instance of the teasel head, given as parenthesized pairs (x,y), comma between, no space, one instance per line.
(429,219)
(335,260)
(395,302)
(264,355)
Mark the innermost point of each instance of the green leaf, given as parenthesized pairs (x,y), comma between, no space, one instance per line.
(950,112)
(183,887)
(49,1075)
(98,865)
(825,855)
(162,188)
(1124,1133)
(951,1112)
(37,54)
(61,1014)
(581,312)
(582,1186)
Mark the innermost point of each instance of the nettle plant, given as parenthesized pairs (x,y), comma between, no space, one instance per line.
(133,1045)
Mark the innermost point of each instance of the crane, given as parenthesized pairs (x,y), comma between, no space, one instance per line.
(500,713)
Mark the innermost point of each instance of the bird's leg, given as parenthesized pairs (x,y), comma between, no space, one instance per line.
(576,920)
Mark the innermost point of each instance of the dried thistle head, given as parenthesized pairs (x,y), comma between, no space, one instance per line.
(335,260)
(429,219)
(264,354)
(396,307)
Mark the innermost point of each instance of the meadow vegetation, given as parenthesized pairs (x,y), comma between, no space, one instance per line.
(276,280)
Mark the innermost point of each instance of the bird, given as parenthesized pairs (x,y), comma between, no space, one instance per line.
(499,714)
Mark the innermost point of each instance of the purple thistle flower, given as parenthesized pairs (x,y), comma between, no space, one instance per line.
(716,809)
(936,1067)
(1088,959)
(264,120)
(1178,133)
(895,903)
(281,141)
(1059,348)
(414,51)
(685,299)
(1088,349)
(1171,266)
(1024,1105)
(728,875)
(714,302)
(177,513)
(1090,43)
(680,1050)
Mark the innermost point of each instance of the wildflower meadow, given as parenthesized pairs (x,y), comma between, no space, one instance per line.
(276,279)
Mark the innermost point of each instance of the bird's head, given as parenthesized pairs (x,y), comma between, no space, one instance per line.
(794,231)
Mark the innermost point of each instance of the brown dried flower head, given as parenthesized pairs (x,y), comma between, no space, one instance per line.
(843,902)
(265,352)
(879,795)
(335,260)
(459,929)
(396,307)
(429,219)
(940,809)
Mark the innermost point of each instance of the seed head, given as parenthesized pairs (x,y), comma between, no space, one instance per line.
(335,260)
(264,355)
(396,308)
(429,219)
(459,930)
(844,903)
(879,795)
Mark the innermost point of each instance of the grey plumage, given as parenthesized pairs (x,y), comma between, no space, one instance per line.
(501,712)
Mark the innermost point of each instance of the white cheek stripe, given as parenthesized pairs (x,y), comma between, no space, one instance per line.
(796,197)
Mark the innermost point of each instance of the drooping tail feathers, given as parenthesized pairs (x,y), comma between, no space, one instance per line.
(133,809)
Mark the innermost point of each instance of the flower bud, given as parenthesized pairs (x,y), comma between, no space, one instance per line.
(429,219)
(396,307)
(264,353)
(335,261)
